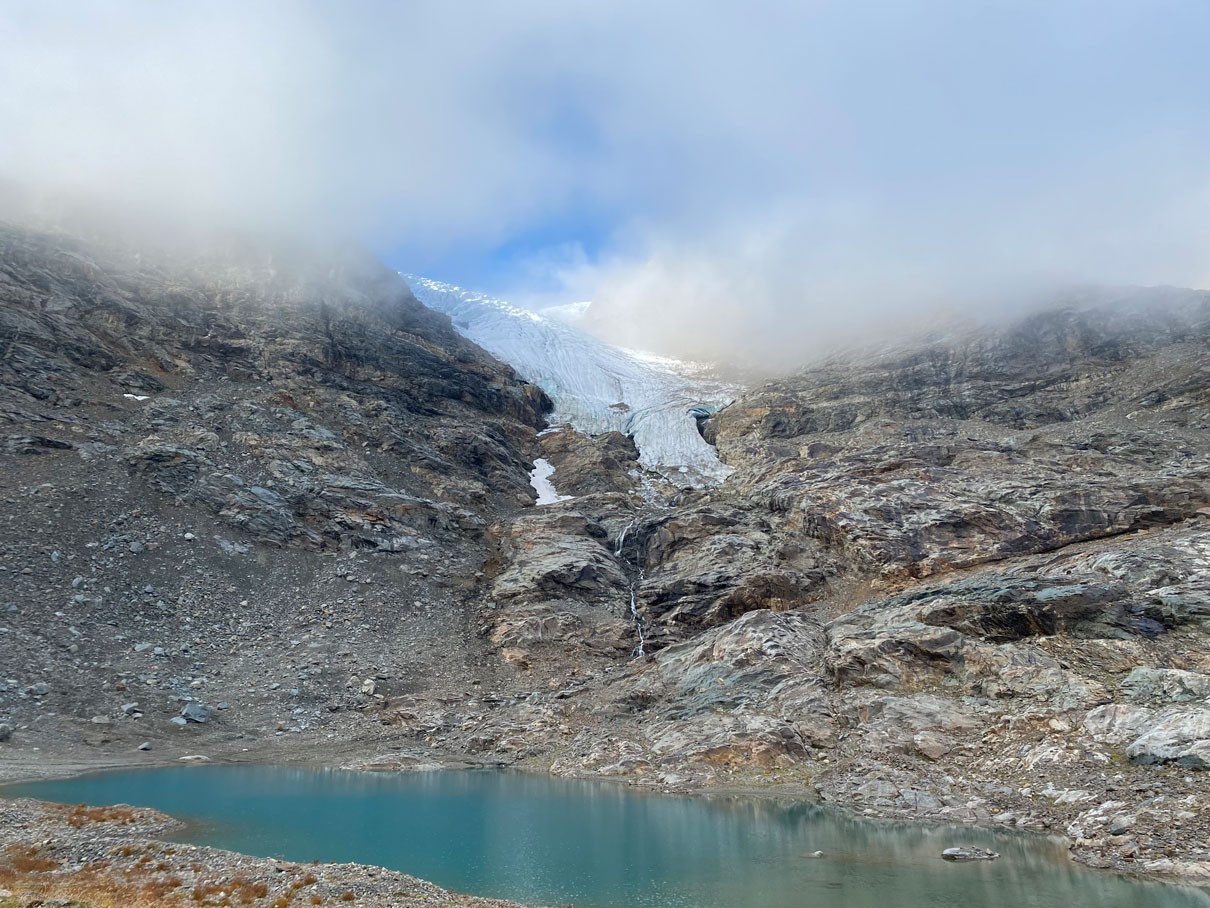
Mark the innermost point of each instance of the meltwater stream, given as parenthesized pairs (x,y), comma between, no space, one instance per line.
(554,842)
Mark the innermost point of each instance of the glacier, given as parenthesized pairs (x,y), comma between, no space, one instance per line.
(595,386)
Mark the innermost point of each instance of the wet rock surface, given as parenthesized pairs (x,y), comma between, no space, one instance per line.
(968,853)
(965,582)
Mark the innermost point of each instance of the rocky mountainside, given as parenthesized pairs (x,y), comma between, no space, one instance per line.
(965,581)
(239,481)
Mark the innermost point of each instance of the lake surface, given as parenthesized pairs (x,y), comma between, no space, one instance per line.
(549,841)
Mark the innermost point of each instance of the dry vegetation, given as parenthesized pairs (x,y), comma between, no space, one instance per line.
(94,886)
(34,876)
(81,815)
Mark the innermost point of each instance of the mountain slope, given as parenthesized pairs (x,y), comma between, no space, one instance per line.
(962,581)
(243,475)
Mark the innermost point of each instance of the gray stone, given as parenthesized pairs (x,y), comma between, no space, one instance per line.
(1179,735)
(6,732)
(878,788)
(1169,685)
(919,800)
(969,853)
(196,712)
(1117,723)
(179,720)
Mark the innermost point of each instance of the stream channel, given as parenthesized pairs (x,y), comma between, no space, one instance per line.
(548,841)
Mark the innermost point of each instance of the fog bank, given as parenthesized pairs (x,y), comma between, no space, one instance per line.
(752,183)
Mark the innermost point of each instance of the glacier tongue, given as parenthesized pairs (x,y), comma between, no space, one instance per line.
(595,386)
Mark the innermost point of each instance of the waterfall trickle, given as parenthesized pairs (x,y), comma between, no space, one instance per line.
(634,613)
(635,579)
(617,552)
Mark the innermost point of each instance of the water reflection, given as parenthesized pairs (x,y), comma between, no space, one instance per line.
(538,839)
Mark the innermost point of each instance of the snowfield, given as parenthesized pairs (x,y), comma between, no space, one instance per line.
(596,387)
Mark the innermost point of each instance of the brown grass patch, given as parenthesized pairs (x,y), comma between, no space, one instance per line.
(247,891)
(81,815)
(27,859)
(91,887)
(25,870)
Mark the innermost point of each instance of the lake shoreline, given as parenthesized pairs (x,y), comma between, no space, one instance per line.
(54,851)
(352,756)
(780,838)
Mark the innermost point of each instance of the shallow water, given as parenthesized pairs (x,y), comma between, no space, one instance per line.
(542,840)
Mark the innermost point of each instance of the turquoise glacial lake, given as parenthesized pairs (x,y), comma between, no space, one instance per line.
(556,842)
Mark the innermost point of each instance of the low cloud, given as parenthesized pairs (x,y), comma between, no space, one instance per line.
(760,182)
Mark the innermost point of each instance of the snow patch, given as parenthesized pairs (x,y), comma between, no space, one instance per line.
(136,396)
(539,478)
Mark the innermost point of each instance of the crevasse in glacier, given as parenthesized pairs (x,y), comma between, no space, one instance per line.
(595,386)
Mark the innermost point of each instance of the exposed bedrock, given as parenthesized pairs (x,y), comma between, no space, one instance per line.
(964,580)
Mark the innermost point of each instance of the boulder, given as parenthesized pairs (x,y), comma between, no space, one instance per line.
(1179,735)
(1117,723)
(196,712)
(1169,685)
(969,853)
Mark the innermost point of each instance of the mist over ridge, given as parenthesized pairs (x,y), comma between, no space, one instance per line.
(879,483)
(757,187)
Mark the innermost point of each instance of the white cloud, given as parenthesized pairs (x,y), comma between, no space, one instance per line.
(774,175)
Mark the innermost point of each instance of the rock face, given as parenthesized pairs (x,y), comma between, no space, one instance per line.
(250,472)
(932,574)
(965,581)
